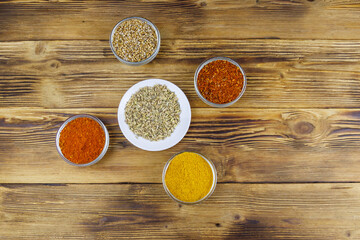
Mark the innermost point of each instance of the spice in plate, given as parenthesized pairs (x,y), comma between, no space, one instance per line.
(220,81)
(153,112)
(82,140)
(189,177)
(134,40)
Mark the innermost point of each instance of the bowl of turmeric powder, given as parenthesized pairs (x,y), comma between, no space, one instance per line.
(189,177)
(82,140)
(220,81)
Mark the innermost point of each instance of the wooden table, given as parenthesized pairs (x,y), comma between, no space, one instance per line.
(287,154)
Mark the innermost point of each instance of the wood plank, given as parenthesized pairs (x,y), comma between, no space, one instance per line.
(192,19)
(234,211)
(281,73)
(246,145)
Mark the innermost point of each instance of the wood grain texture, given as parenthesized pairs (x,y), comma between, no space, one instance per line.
(241,211)
(246,145)
(281,73)
(198,19)
(285,153)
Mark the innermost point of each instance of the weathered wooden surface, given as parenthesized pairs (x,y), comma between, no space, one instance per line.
(281,73)
(200,19)
(235,211)
(246,145)
(287,154)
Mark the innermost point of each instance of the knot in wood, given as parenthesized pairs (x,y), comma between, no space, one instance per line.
(304,127)
(40,48)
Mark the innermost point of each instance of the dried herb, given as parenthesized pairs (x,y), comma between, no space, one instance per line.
(134,40)
(82,140)
(220,81)
(153,112)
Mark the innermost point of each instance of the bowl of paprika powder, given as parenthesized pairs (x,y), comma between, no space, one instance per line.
(82,140)
(220,81)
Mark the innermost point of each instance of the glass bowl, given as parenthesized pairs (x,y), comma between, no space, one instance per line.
(107,140)
(216,104)
(145,61)
(212,166)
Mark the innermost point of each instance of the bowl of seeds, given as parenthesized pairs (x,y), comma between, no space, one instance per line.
(135,41)
(154,114)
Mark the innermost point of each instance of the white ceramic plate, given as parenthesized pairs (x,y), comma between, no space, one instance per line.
(180,130)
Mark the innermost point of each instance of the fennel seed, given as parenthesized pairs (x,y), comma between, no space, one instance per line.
(153,112)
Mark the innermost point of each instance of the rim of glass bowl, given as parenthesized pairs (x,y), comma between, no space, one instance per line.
(216,104)
(145,61)
(212,166)
(107,140)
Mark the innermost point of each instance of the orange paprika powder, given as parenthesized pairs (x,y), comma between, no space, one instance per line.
(82,140)
(220,81)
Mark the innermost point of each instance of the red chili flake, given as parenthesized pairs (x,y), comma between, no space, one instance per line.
(220,81)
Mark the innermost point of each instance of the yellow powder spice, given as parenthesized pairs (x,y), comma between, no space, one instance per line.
(189,177)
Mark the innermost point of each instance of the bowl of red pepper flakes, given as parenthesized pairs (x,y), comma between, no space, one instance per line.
(82,140)
(220,81)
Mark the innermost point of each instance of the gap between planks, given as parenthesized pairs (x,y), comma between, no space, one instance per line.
(185,39)
(154,183)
